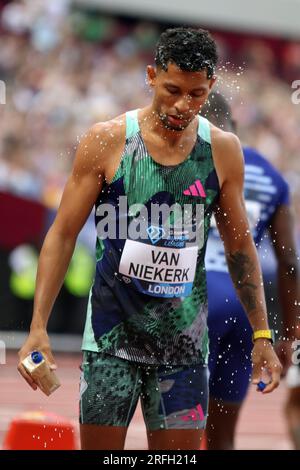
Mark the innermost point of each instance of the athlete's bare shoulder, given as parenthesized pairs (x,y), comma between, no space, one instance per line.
(111,130)
(227,154)
(101,146)
(223,140)
(108,134)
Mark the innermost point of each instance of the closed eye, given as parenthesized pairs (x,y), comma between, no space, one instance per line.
(172,90)
(198,94)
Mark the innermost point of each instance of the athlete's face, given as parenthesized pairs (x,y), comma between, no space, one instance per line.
(178,95)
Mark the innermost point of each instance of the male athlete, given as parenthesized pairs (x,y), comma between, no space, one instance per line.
(267,203)
(146,332)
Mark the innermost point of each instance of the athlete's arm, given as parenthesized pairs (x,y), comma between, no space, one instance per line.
(241,254)
(282,236)
(79,196)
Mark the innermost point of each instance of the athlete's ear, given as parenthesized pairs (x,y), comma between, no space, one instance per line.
(151,75)
(212,82)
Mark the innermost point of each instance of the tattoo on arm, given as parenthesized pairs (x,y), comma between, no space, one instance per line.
(241,268)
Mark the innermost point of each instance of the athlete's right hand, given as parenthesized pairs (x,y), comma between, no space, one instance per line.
(37,340)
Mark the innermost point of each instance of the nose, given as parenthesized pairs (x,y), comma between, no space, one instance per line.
(182,105)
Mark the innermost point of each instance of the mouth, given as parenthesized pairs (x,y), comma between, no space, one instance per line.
(176,121)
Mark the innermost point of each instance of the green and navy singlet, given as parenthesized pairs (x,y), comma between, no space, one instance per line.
(148,302)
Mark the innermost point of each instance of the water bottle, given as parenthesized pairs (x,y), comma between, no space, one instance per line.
(38,368)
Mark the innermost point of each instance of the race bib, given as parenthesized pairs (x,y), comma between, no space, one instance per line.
(157,270)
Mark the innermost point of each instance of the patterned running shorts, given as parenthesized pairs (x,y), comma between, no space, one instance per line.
(172,397)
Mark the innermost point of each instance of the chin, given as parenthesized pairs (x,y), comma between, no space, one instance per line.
(175,128)
(170,127)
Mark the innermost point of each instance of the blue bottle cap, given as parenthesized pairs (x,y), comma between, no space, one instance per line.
(261,386)
(36,357)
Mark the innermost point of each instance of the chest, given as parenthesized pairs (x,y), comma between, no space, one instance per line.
(165,153)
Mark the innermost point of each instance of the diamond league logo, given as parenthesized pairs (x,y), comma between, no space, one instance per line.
(155,233)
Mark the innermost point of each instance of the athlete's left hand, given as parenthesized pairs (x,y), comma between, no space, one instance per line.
(265,358)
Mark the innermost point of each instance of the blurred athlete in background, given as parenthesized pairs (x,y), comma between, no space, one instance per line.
(268,208)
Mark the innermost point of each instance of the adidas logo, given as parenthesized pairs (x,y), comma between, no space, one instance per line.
(195,189)
(195,414)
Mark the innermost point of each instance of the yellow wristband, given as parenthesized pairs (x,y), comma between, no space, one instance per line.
(267,334)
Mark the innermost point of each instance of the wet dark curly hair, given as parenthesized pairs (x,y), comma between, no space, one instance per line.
(190,49)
